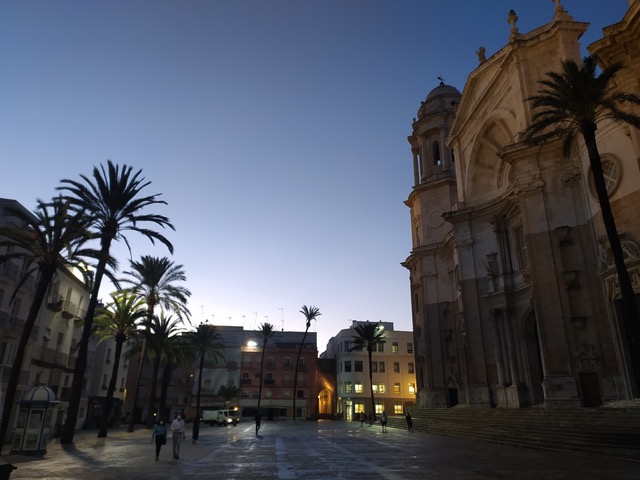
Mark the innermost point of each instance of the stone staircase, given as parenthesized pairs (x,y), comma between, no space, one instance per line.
(610,431)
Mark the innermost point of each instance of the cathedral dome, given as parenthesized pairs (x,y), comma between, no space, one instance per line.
(441,98)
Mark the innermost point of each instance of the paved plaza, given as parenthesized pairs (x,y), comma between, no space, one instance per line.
(291,450)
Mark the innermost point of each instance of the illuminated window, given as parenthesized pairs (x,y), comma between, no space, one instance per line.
(379,407)
(412,388)
(397,408)
(359,407)
(359,388)
(396,388)
(348,387)
(394,347)
(379,388)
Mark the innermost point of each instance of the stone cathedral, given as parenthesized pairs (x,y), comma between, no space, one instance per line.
(513,290)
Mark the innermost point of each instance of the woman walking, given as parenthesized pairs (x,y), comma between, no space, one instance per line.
(160,435)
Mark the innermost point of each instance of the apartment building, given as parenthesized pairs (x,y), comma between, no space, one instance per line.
(51,352)
(278,375)
(393,372)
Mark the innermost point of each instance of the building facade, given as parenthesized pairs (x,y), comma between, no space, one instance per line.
(514,294)
(278,376)
(240,368)
(51,351)
(393,372)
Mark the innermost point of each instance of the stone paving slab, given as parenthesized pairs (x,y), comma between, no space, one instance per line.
(324,450)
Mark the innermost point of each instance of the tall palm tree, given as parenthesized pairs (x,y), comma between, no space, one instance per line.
(118,320)
(114,202)
(368,336)
(177,352)
(51,238)
(570,104)
(310,313)
(159,334)
(156,280)
(266,332)
(205,341)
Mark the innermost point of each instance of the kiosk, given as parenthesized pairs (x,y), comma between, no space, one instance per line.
(34,421)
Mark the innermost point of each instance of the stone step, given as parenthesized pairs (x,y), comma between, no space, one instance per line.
(603,432)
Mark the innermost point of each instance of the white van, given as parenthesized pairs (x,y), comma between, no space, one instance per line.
(220,417)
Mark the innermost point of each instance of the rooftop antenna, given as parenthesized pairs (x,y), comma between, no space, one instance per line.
(282,311)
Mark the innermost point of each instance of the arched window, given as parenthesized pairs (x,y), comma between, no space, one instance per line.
(436,153)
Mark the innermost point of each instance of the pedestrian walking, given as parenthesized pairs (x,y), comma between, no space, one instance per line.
(178,430)
(258,420)
(383,421)
(361,415)
(409,421)
(160,436)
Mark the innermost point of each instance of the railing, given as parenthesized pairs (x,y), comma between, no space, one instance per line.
(11,322)
(10,270)
(245,381)
(69,309)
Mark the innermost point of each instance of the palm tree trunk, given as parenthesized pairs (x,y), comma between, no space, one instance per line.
(108,402)
(630,320)
(136,389)
(196,420)
(152,394)
(264,349)
(77,384)
(164,388)
(373,403)
(39,295)
(295,377)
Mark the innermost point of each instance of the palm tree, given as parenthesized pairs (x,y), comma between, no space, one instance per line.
(310,313)
(155,280)
(114,203)
(51,238)
(177,352)
(228,392)
(570,104)
(368,336)
(205,341)
(265,332)
(118,321)
(159,337)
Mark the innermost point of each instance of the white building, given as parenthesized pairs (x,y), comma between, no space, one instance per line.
(393,367)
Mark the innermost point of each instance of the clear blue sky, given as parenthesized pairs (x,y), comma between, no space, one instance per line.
(276,131)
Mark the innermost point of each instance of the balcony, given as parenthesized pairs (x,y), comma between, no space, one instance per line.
(245,381)
(55,303)
(11,322)
(69,310)
(10,270)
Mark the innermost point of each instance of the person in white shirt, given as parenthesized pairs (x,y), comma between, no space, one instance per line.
(178,428)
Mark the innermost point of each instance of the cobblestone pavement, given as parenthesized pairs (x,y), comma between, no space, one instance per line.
(308,450)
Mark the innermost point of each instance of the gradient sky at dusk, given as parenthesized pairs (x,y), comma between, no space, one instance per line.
(275,130)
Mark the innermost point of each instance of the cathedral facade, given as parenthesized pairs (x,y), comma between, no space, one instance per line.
(513,290)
